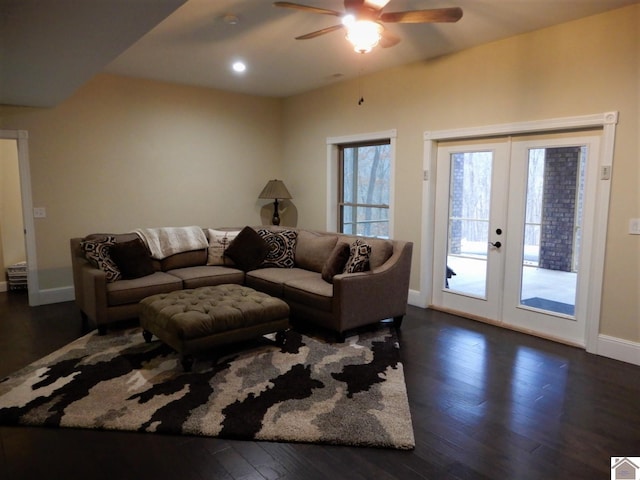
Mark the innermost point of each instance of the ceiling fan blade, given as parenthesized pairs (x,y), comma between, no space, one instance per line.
(423,16)
(389,39)
(307,8)
(317,33)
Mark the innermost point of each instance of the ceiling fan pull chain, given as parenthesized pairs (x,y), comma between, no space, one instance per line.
(361,99)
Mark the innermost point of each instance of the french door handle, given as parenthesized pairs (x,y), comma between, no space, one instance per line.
(497,244)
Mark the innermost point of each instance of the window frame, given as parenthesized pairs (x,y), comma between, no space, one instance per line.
(334,169)
(355,205)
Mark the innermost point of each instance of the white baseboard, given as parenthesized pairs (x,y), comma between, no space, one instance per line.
(3,286)
(618,349)
(56,295)
(416,299)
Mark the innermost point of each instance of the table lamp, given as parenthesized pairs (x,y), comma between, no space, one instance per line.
(275,189)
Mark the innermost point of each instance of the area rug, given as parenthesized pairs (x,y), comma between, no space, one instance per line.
(308,390)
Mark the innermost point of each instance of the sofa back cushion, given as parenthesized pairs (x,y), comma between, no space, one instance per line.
(119,237)
(193,258)
(313,249)
(179,260)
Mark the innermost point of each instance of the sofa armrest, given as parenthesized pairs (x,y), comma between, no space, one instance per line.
(94,292)
(368,297)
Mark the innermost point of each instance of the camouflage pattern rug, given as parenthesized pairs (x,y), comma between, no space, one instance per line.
(308,390)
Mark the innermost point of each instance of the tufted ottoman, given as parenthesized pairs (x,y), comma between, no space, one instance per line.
(191,321)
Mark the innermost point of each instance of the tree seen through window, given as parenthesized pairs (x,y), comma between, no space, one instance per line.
(364,188)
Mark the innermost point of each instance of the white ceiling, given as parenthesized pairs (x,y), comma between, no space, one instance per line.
(47,52)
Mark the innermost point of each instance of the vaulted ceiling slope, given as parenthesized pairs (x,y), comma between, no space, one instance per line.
(49,49)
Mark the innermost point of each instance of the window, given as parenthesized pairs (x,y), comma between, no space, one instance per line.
(336,205)
(364,188)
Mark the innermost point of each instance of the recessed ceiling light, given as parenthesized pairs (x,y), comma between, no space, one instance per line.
(239,67)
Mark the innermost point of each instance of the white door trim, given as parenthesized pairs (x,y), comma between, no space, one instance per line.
(21,136)
(607,121)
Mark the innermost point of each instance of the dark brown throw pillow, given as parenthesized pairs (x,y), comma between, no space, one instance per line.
(336,261)
(248,250)
(132,258)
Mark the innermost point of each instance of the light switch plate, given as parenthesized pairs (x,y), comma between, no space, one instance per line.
(634,226)
(39,212)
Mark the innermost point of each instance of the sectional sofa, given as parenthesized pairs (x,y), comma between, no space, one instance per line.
(332,280)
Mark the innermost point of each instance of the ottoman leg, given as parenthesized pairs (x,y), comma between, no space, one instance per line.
(187,362)
(147,335)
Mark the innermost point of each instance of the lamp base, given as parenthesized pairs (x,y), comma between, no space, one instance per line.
(275,220)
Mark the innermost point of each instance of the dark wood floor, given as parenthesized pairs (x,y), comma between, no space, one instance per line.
(486,403)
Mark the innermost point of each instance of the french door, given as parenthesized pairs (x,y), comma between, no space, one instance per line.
(512,223)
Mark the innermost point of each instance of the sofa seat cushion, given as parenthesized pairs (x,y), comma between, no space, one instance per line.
(124,292)
(311,291)
(204,276)
(271,280)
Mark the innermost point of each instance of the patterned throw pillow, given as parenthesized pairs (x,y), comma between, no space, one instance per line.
(358,257)
(219,240)
(98,252)
(282,248)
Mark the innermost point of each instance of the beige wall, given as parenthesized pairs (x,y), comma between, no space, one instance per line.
(12,248)
(124,153)
(584,67)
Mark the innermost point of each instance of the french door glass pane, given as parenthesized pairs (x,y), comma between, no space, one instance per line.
(469,210)
(555,186)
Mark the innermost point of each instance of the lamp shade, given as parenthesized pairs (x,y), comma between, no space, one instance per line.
(275,189)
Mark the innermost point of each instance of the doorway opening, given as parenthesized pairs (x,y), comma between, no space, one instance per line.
(13,253)
(17,228)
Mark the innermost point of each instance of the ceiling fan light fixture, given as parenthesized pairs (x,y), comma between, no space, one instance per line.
(377,4)
(363,35)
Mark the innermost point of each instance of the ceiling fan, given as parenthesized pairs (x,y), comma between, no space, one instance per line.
(363,21)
